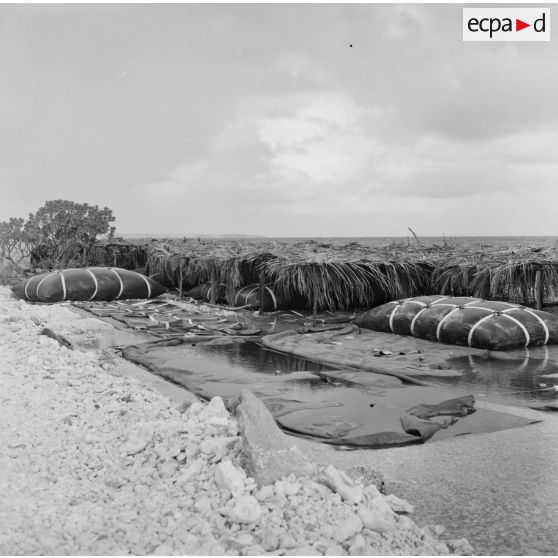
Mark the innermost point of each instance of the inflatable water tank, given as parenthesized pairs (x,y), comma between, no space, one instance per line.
(465,321)
(88,283)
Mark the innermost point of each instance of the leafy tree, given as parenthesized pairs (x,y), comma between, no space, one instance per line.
(63,232)
(15,243)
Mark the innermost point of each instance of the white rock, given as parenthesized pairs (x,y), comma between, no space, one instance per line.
(245,539)
(335,550)
(381,505)
(181,457)
(253,550)
(138,441)
(371,491)
(346,528)
(233,428)
(356,546)
(398,505)
(195,408)
(218,422)
(215,408)
(163,550)
(190,471)
(246,510)
(284,488)
(269,538)
(287,541)
(189,540)
(202,504)
(374,520)
(304,551)
(265,492)
(405,522)
(212,446)
(230,477)
(340,483)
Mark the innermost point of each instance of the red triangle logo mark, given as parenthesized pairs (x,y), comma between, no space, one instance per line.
(519,25)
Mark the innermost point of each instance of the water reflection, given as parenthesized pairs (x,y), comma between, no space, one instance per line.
(251,358)
(520,381)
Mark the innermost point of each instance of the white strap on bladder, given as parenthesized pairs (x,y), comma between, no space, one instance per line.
(251,292)
(25,290)
(437,301)
(270,291)
(146,282)
(477,324)
(96,283)
(63,281)
(392,314)
(120,280)
(542,322)
(523,328)
(502,313)
(399,303)
(456,309)
(441,322)
(415,319)
(237,295)
(42,280)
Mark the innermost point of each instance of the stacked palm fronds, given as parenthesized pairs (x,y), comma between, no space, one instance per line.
(524,275)
(333,283)
(183,267)
(354,275)
(118,254)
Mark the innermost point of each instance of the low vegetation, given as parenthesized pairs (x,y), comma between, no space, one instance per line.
(330,276)
(59,234)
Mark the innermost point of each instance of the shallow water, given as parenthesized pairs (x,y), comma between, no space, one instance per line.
(523,382)
(370,410)
(519,382)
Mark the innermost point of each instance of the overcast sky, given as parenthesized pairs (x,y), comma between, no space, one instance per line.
(262,119)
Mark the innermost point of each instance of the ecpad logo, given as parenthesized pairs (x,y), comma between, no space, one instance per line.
(506,24)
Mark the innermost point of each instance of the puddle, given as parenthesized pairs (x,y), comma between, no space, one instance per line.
(314,400)
(523,382)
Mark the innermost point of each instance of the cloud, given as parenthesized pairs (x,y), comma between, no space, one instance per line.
(240,117)
(306,153)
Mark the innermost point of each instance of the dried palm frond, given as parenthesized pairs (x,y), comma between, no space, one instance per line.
(351,274)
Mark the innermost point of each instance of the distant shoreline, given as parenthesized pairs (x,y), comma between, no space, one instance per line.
(249,237)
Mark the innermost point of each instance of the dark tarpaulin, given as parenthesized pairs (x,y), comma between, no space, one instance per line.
(319,404)
(349,408)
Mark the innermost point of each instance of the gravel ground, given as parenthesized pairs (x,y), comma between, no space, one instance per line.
(96,464)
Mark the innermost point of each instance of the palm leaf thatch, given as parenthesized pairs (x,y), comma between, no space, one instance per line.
(117,254)
(516,279)
(453,278)
(333,284)
(354,275)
